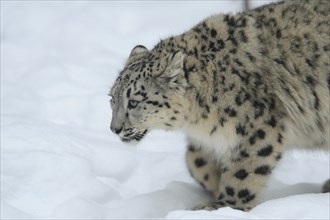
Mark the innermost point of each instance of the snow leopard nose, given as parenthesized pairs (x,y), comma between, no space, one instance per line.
(116,130)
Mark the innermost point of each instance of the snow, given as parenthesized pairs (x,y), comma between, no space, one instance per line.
(59,159)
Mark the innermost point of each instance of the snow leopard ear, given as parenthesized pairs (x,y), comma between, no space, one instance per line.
(174,64)
(139,49)
(173,75)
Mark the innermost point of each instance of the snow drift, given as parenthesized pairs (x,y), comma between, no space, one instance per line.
(58,157)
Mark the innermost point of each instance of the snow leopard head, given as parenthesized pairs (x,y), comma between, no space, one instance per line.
(148,94)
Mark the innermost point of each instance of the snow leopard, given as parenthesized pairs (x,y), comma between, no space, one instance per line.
(245,88)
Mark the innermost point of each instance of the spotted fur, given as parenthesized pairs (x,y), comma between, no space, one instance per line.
(244,88)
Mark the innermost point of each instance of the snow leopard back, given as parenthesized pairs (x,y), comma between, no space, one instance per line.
(274,58)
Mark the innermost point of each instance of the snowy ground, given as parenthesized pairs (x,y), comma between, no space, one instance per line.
(58,157)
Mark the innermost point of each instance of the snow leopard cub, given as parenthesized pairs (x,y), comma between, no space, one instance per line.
(244,88)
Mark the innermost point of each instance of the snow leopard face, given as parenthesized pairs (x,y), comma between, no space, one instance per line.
(146,95)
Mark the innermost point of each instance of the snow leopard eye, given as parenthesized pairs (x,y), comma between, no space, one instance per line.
(132,104)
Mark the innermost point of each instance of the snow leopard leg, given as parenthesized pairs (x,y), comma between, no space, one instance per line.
(203,168)
(246,170)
